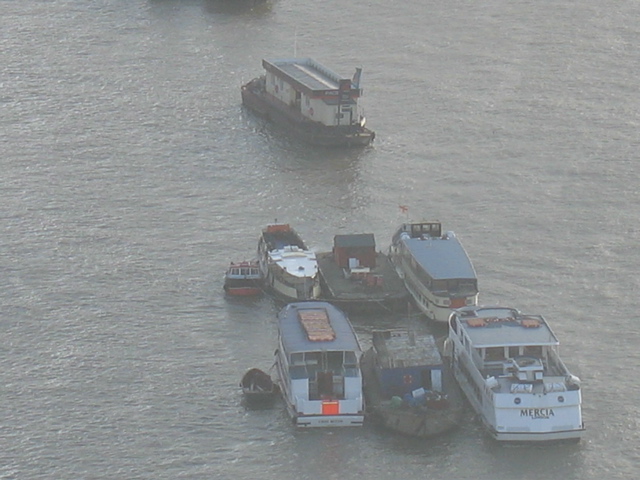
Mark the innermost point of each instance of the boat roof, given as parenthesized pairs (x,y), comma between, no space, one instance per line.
(398,348)
(503,326)
(442,257)
(296,261)
(304,71)
(354,240)
(315,326)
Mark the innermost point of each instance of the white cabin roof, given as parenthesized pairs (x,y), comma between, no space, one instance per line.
(296,337)
(502,327)
(304,71)
(295,261)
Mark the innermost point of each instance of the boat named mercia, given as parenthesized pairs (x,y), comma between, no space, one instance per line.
(509,367)
(435,268)
(317,365)
(309,100)
(289,268)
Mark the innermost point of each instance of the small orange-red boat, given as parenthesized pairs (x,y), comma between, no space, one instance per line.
(243,279)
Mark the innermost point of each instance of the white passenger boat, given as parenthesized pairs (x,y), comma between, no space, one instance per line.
(317,364)
(289,268)
(435,268)
(509,368)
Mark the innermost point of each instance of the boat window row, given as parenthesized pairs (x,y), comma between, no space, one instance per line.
(245,271)
(325,360)
(431,229)
(495,354)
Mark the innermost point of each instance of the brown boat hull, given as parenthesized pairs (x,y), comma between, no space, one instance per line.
(314,133)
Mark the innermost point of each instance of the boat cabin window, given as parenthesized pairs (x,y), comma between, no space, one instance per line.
(532,351)
(312,358)
(455,286)
(439,285)
(494,354)
(335,360)
(514,352)
(297,359)
(350,359)
(464,286)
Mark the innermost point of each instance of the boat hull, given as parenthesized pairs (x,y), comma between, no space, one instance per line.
(243,279)
(529,437)
(291,289)
(258,388)
(243,291)
(411,421)
(314,133)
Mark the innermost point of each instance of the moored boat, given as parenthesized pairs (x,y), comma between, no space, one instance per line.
(407,387)
(289,267)
(357,278)
(310,101)
(243,279)
(258,388)
(509,367)
(435,268)
(317,366)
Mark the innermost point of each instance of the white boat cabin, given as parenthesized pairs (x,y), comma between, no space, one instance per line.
(314,91)
(509,367)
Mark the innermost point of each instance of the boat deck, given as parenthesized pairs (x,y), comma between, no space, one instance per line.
(399,349)
(380,287)
(410,421)
(279,240)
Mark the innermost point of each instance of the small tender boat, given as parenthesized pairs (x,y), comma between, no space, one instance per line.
(258,387)
(243,279)
(509,368)
(407,387)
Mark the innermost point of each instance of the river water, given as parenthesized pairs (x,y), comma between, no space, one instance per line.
(131,176)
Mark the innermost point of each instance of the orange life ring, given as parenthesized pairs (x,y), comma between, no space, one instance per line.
(407,379)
